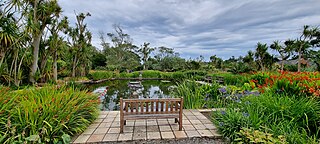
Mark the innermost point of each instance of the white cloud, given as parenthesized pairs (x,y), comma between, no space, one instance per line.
(199,27)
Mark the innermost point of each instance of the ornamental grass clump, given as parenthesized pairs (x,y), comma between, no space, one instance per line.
(191,93)
(296,119)
(46,115)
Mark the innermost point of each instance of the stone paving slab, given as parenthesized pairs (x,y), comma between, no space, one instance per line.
(107,128)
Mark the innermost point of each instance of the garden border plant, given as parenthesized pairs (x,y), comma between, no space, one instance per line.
(45,115)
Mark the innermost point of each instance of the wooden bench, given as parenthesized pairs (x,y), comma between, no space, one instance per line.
(134,109)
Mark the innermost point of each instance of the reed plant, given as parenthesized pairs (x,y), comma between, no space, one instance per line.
(192,95)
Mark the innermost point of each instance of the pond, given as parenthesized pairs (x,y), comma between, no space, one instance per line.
(130,89)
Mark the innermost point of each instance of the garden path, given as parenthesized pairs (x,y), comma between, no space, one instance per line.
(106,129)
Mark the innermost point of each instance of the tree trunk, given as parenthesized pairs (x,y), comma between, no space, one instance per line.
(282,63)
(299,61)
(55,67)
(74,66)
(83,70)
(144,66)
(262,66)
(42,68)
(34,66)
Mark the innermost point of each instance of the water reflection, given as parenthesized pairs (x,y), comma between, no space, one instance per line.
(120,88)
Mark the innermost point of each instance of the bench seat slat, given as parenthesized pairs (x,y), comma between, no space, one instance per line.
(146,113)
(151,116)
(152,100)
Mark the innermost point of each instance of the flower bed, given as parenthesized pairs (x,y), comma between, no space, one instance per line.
(293,83)
(285,111)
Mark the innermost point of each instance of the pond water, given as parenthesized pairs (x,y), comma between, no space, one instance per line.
(130,89)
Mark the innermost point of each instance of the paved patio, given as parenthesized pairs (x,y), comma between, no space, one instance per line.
(107,127)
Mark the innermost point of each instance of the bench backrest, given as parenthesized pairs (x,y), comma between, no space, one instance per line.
(151,106)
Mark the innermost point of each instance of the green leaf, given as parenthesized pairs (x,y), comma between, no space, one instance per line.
(66,138)
(33,138)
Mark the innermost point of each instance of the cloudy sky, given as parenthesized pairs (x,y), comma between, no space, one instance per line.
(199,27)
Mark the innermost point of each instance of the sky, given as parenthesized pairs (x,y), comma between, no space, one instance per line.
(198,27)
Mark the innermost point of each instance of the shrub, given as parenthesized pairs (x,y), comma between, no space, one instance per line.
(232,79)
(240,67)
(47,115)
(291,68)
(178,76)
(98,75)
(166,75)
(151,74)
(193,73)
(249,135)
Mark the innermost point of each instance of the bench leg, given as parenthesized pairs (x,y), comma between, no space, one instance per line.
(121,116)
(180,124)
(175,120)
(125,122)
(121,125)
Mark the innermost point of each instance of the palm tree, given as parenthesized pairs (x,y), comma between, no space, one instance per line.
(284,51)
(55,42)
(8,35)
(261,54)
(39,13)
(10,43)
(249,58)
(80,40)
(216,61)
(303,43)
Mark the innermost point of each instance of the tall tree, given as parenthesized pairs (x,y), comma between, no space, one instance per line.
(249,58)
(303,43)
(80,41)
(122,55)
(145,52)
(284,51)
(120,39)
(216,61)
(39,14)
(56,41)
(315,42)
(261,54)
(168,60)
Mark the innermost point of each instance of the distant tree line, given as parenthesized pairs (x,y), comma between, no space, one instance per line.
(124,56)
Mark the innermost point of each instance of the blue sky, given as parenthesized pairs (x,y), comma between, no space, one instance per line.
(199,27)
